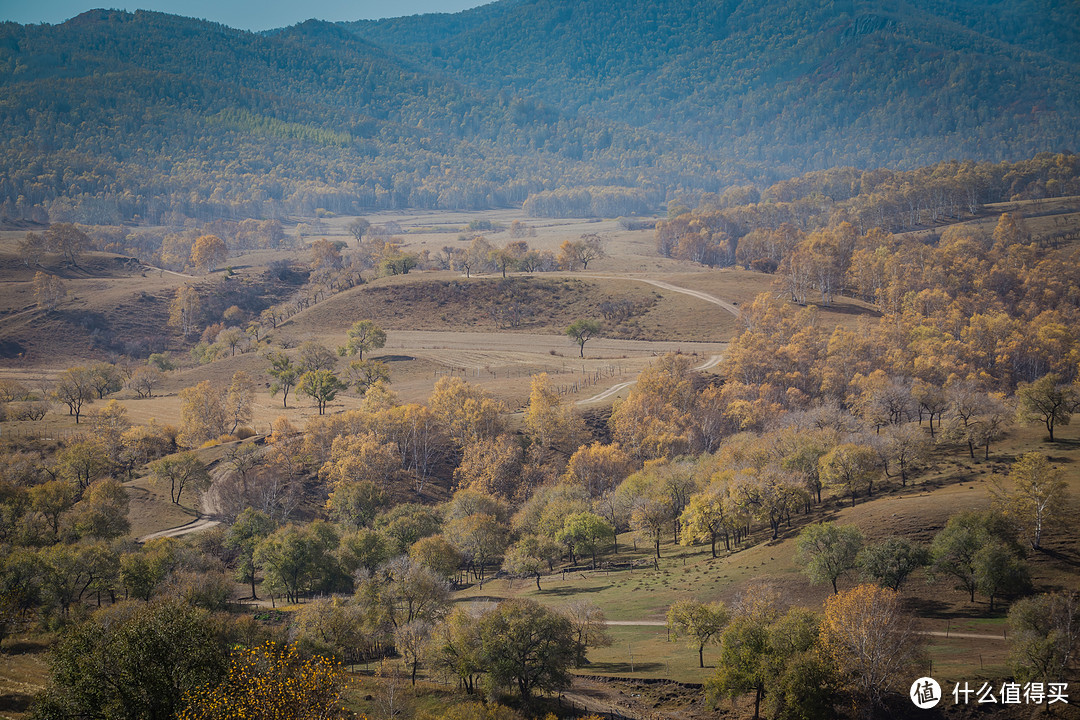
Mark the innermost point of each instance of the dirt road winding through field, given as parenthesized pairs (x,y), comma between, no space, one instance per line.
(194,526)
(729,307)
(616,389)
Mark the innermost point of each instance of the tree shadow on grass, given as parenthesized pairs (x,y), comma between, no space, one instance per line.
(937,609)
(567,591)
(15,702)
(1066,557)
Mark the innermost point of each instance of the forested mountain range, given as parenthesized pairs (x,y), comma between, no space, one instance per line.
(115,116)
(785,86)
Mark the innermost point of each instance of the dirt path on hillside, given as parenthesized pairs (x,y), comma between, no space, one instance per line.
(615,389)
(194,526)
(729,307)
(169,272)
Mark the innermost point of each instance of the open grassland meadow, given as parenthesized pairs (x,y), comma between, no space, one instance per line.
(543,360)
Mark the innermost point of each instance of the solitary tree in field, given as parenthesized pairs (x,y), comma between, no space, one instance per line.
(581,331)
(701,623)
(579,253)
(48,290)
(590,628)
(75,388)
(68,240)
(363,336)
(285,375)
(180,471)
(1049,401)
(208,252)
(322,386)
(1037,500)
(358,227)
(828,550)
(144,380)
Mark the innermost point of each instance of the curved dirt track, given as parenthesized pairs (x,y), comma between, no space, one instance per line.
(729,307)
(615,389)
(191,527)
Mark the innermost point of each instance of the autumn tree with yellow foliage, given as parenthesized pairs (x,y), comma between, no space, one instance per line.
(271,682)
(208,252)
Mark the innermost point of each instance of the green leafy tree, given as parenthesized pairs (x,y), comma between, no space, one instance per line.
(51,500)
(1000,570)
(457,647)
(363,336)
(322,386)
(581,331)
(133,660)
(529,556)
(1049,401)
(527,646)
(83,462)
(890,562)
(828,550)
(363,550)
(180,471)
(438,554)
(700,623)
(1044,637)
(295,560)
(245,534)
(956,549)
(585,532)
(103,511)
(365,374)
(759,646)
(285,374)
(356,503)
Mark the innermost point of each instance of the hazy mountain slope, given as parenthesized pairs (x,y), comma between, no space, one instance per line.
(113,115)
(801,83)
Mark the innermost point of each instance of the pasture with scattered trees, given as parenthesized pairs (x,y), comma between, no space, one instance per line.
(815,442)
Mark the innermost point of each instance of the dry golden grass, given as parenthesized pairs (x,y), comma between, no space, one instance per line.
(23,673)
